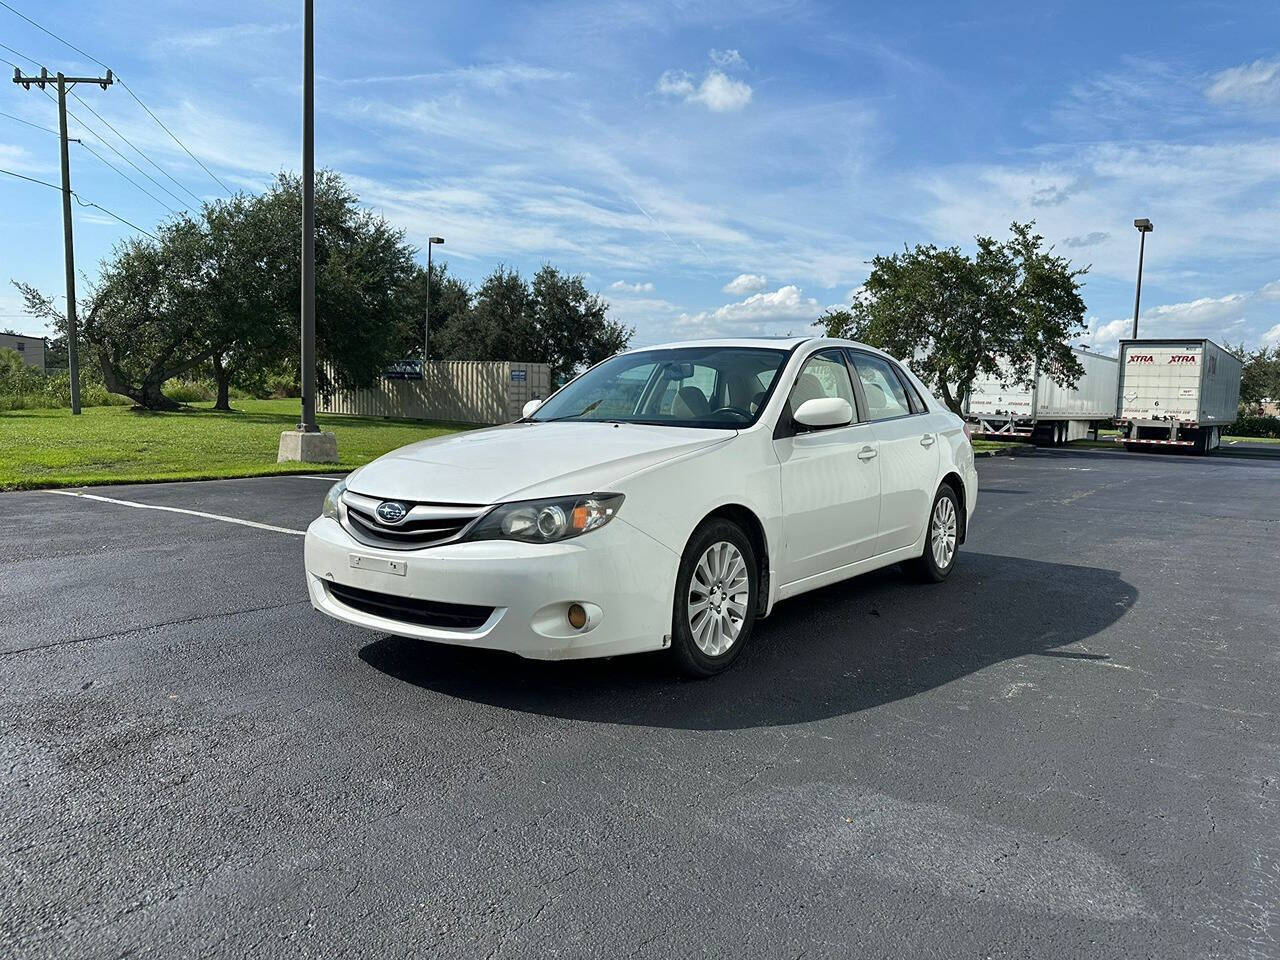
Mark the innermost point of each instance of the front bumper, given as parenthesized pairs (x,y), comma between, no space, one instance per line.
(624,578)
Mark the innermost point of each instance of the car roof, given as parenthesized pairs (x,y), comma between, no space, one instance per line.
(775,343)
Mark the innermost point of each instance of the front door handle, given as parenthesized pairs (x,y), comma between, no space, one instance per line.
(867,453)
(926,440)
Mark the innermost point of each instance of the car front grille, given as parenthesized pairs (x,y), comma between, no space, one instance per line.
(425,613)
(425,524)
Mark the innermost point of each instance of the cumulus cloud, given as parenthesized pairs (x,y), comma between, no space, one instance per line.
(744,283)
(1234,317)
(782,311)
(1272,337)
(623,287)
(726,58)
(716,91)
(1250,83)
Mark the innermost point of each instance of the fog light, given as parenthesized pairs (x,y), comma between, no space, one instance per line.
(577,616)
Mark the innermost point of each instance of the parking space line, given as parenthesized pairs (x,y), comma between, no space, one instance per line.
(193,513)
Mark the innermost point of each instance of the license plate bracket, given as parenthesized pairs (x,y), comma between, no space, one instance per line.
(359,561)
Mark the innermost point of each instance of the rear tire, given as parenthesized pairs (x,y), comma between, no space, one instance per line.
(717,588)
(941,538)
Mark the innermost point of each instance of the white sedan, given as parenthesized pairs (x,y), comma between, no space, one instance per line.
(664,499)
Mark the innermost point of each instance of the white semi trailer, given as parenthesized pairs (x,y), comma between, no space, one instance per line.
(1176,393)
(1046,412)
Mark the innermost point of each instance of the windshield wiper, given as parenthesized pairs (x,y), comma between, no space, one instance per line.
(572,416)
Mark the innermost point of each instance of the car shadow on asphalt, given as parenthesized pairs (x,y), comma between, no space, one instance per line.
(854,645)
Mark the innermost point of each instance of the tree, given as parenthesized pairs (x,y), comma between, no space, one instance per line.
(1260,376)
(554,320)
(222,292)
(573,324)
(955,317)
(146,320)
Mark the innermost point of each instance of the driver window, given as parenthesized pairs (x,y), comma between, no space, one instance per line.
(822,376)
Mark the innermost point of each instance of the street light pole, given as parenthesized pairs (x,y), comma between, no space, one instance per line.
(426,320)
(1144,226)
(308,443)
(308,422)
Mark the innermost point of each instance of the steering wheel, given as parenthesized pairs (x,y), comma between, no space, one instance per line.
(736,411)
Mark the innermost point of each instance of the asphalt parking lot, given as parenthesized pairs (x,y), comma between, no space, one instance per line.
(1071,748)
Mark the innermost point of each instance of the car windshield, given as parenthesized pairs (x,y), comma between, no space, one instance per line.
(724,387)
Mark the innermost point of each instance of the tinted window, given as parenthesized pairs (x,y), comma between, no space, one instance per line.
(825,375)
(680,386)
(886,397)
(917,402)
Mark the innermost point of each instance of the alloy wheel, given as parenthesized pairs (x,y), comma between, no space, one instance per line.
(719,591)
(943,532)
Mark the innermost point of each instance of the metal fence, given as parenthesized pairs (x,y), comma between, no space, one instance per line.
(463,391)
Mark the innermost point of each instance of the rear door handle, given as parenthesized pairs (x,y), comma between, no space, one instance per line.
(867,453)
(926,440)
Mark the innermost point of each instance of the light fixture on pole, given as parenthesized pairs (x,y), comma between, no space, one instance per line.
(426,320)
(1144,226)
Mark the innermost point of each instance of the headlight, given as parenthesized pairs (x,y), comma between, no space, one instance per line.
(330,508)
(546,521)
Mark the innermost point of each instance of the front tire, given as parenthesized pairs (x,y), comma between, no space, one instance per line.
(715,603)
(941,540)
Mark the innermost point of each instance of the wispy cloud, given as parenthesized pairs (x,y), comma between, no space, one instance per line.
(1250,83)
(621,286)
(494,77)
(214,37)
(726,59)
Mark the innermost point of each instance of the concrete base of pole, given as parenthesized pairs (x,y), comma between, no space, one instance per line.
(319,447)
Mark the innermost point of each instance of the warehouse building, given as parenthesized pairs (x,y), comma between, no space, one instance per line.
(31,349)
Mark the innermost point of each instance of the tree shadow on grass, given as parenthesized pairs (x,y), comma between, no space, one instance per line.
(858,644)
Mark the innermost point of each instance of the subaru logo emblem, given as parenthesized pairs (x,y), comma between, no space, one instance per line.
(392,512)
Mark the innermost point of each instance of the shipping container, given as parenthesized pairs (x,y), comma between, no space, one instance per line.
(1178,393)
(1046,411)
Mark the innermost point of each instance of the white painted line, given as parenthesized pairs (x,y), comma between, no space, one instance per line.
(306,476)
(193,513)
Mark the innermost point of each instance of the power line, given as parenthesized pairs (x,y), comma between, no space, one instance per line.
(136,98)
(230,192)
(110,146)
(43,183)
(127,177)
(88,203)
(52,34)
(20,55)
(29,123)
(80,200)
(135,148)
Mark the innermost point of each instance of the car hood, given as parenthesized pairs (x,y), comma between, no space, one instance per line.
(523,461)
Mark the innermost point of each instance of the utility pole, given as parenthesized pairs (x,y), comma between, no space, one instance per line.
(64,84)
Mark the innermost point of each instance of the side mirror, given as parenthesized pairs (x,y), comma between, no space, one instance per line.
(824,412)
(530,408)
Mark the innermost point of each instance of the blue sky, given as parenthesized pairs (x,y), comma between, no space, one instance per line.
(713,168)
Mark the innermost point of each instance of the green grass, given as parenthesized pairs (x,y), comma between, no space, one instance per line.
(51,448)
(1251,439)
(984,446)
